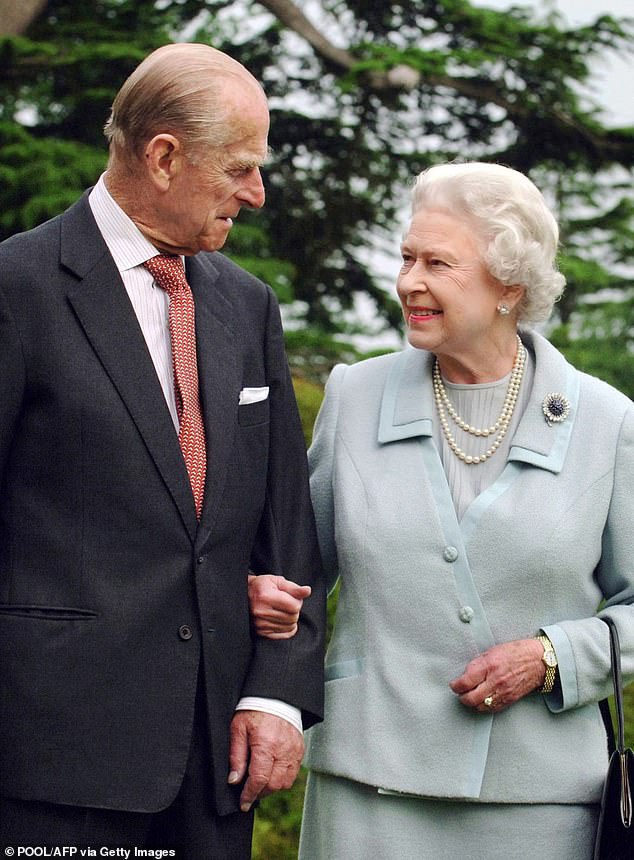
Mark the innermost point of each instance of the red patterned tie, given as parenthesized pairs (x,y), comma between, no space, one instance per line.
(169,274)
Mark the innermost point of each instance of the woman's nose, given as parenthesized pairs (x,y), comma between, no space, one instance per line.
(412,281)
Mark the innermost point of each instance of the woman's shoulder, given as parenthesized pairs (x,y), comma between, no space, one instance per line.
(605,409)
(369,369)
(599,393)
(603,392)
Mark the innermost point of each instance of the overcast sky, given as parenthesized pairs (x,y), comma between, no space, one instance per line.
(614,75)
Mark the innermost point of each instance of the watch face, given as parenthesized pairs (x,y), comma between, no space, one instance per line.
(550,659)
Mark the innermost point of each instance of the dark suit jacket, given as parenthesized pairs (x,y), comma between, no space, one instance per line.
(111,593)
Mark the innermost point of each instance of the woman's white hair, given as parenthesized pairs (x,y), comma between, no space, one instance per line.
(516,230)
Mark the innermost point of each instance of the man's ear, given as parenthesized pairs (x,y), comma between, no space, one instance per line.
(163,160)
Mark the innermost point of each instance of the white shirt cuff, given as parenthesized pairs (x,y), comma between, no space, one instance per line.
(287,712)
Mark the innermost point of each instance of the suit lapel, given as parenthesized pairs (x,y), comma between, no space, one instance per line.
(407,408)
(219,375)
(109,322)
(536,441)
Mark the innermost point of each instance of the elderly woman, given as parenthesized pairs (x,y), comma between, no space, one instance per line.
(474,495)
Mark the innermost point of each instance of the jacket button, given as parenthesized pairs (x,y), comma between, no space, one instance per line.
(185,632)
(450,553)
(466,614)
(201,559)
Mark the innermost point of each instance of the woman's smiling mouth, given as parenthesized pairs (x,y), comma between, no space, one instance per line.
(421,314)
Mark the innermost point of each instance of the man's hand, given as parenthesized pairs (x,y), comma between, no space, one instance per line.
(275,604)
(271,748)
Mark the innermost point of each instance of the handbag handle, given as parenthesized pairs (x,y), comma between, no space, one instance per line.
(626,810)
(615,659)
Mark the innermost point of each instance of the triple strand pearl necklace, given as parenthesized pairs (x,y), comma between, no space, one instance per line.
(504,418)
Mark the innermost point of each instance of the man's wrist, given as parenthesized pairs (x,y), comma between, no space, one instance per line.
(276,707)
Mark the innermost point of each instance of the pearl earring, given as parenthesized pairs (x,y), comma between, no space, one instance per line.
(503,310)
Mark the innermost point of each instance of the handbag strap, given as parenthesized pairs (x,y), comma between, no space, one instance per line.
(615,659)
(624,755)
(604,707)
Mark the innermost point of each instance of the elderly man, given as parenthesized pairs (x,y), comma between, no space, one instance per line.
(151,456)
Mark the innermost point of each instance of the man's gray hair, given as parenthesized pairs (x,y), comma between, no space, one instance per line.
(178,90)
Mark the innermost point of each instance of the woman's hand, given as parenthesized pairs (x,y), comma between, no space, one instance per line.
(501,675)
(275,603)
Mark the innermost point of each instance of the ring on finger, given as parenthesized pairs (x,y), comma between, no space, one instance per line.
(489,702)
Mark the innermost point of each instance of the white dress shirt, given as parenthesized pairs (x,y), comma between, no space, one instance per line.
(130,249)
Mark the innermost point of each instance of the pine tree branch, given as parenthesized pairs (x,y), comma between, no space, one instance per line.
(399,77)
(605,144)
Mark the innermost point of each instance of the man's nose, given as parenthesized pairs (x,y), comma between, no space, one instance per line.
(252,192)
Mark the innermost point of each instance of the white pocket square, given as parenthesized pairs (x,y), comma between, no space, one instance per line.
(253,395)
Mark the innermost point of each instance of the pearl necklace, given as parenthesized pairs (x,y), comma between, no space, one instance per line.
(504,418)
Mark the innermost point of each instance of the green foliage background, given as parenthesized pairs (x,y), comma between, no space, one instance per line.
(509,85)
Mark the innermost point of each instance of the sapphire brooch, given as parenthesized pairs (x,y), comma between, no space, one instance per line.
(556,408)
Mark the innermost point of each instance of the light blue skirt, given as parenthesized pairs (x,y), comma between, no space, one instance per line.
(345,820)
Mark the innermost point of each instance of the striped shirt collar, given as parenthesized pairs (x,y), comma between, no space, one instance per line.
(126,243)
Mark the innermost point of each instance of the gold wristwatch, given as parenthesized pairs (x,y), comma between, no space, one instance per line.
(550,661)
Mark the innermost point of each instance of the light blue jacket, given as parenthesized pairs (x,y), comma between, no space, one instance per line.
(422,594)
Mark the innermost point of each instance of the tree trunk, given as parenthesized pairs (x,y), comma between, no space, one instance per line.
(16,15)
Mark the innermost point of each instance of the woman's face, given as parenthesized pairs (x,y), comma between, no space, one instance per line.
(448,297)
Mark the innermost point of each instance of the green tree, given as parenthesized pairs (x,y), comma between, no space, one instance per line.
(595,317)
(363,97)
(416,82)
(420,82)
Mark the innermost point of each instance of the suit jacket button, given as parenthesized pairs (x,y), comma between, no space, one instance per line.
(466,614)
(450,553)
(185,632)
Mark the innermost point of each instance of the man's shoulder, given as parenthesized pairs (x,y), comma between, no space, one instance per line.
(240,288)
(24,242)
(33,244)
(230,269)
(27,260)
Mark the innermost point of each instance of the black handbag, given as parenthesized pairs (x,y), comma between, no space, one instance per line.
(615,832)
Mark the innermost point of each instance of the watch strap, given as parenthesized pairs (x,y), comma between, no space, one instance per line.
(551,671)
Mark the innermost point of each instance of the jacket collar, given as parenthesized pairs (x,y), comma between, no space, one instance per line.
(102,306)
(408,409)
